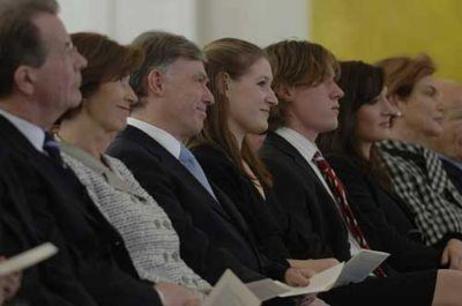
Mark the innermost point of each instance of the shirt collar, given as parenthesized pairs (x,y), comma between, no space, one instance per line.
(32,132)
(306,148)
(165,139)
(450,160)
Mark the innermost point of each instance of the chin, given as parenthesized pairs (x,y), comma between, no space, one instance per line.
(258,129)
(330,127)
(437,131)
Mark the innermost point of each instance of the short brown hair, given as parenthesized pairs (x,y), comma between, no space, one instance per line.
(294,63)
(402,73)
(160,49)
(234,57)
(20,41)
(107,61)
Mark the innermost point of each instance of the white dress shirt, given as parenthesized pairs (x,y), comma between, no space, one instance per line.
(307,149)
(32,132)
(165,139)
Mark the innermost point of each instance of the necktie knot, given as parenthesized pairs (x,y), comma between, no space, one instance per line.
(51,147)
(186,157)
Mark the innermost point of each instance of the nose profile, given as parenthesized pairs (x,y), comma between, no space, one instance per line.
(271,98)
(338,92)
(208,97)
(131,97)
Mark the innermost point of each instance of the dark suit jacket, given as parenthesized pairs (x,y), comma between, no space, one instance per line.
(454,173)
(41,285)
(292,167)
(50,204)
(311,224)
(213,236)
(369,203)
(312,213)
(247,199)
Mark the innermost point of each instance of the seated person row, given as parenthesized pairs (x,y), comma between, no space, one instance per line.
(417,175)
(449,143)
(313,198)
(366,117)
(171,85)
(84,134)
(240,80)
(41,200)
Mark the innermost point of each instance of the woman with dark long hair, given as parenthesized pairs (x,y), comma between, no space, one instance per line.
(365,118)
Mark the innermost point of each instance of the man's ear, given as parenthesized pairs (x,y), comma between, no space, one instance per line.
(24,80)
(285,92)
(155,82)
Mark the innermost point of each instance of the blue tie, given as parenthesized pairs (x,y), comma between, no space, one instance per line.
(52,148)
(190,162)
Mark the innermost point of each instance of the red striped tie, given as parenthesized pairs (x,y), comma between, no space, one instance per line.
(338,191)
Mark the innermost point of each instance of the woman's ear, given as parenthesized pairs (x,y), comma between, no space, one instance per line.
(224,83)
(397,103)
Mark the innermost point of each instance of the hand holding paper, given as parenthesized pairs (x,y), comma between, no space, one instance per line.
(27,258)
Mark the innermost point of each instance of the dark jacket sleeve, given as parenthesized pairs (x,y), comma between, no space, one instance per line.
(245,197)
(406,255)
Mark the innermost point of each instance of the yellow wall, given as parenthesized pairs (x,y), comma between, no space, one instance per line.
(373,29)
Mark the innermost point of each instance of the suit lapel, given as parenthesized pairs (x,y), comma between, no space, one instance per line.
(303,168)
(50,172)
(169,162)
(283,145)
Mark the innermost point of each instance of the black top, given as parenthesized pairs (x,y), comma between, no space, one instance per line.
(247,199)
(384,223)
(454,173)
(364,187)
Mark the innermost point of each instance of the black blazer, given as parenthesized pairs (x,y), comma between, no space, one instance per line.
(213,236)
(454,173)
(247,199)
(50,204)
(312,226)
(373,207)
(40,284)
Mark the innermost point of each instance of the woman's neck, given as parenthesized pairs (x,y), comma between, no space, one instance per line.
(85,134)
(365,149)
(400,131)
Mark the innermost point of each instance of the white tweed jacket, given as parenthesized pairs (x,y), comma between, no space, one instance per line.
(148,234)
